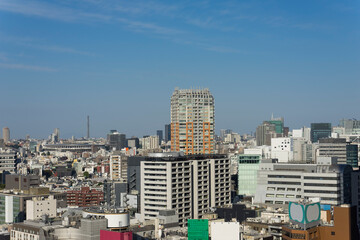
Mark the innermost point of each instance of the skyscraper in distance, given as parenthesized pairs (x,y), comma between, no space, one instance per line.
(167,132)
(192,121)
(6,134)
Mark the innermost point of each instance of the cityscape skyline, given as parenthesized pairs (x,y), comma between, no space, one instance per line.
(179,120)
(149,131)
(106,60)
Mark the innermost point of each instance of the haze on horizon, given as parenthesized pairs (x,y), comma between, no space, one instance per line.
(119,62)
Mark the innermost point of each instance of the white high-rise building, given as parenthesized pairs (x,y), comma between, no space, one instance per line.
(192,121)
(190,185)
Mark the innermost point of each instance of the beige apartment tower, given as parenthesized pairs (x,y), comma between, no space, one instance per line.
(6,134)
(192,121)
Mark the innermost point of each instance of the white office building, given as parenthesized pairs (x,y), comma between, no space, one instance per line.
(280,183)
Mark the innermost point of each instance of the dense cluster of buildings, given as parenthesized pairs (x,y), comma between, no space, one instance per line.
(184,182)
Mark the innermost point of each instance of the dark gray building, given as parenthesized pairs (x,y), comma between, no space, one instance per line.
(352,151)
(113,191)
(160,134)
(320,130)
(133,174)
(116,140)
(167,132)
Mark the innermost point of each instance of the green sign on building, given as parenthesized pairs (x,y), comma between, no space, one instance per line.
(198,229)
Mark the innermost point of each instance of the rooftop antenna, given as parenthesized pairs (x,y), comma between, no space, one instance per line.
(88,127)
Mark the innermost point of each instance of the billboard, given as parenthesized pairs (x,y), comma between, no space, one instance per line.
(306,215)
(198,229)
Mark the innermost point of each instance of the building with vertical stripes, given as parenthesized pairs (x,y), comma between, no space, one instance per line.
(192,121)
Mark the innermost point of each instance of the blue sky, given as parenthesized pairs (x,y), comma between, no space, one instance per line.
(119,62)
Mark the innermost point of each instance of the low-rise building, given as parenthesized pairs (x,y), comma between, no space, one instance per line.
(37,207)
(13,203)
(85,197)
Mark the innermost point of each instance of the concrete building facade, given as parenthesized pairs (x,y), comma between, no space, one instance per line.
(264,133)
(118,167)
(192,121)
(280,183)
(21,182)
(282,149)
(116,140)
(40,206)
(8,161)
(6,134)
(85,197)
(190,185)
(333,147)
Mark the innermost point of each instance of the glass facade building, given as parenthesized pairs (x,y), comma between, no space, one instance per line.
(279,125)
(247,173)
(320,130)
(352,155)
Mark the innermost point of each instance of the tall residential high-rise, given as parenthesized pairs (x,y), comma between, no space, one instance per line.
(6,134)
(320,130)
(167,132)
(192,121)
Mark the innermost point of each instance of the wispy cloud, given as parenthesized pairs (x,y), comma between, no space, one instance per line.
(142,26)
(38,44)
(61,49)
(27,67)
(66,14)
